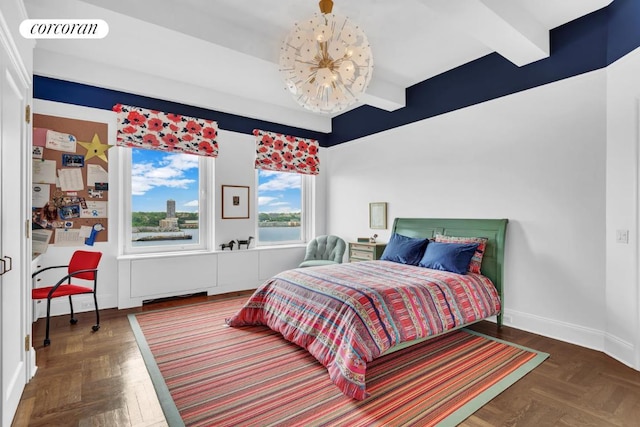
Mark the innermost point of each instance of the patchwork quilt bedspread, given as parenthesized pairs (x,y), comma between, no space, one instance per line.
(346,315)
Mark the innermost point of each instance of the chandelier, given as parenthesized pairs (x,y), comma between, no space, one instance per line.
(326,62)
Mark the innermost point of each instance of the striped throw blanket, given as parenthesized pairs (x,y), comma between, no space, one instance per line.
(346,315)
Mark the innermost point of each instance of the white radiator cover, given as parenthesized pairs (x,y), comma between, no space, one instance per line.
(164,275)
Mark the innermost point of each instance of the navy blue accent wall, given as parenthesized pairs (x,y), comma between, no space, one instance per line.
(91,96)
(577,47)
(624,28)
(585,44)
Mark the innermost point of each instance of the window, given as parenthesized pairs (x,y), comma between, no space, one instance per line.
(282,207)
(166,201)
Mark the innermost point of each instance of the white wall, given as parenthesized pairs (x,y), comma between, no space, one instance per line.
(622,294)
(535,157)
(107,276)
(235,166)
(121,278)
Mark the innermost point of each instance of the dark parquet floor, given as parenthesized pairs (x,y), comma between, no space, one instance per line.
(99,379)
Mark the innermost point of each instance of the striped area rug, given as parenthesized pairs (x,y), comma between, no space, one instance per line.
(208,374)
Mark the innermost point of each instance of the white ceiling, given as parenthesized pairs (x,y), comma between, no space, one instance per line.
(222,54)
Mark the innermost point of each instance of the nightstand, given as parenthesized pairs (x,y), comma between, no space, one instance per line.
(363,251)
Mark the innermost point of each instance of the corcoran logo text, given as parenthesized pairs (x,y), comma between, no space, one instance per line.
(64,29)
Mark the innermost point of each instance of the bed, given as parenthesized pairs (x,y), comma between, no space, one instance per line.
(346,315)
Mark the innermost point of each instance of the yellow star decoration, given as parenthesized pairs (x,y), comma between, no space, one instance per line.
(95,148)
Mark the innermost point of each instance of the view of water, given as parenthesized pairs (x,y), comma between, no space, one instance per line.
(191,231)
(267,234)
(278,234)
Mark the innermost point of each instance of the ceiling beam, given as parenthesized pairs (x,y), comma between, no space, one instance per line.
(383,94)
(217,30)
(501,25)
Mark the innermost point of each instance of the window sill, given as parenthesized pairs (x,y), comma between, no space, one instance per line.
(291,245)
(167,254)
(151,255)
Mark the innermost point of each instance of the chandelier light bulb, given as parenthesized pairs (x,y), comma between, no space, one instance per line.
(326,62)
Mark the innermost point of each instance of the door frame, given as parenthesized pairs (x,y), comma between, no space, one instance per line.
(14,63)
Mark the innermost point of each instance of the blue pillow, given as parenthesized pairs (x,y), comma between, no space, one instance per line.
(403,249)
(453,257)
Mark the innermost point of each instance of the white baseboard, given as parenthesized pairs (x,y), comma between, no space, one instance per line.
(81,303)
(32,363)
(594,339)
(620,350)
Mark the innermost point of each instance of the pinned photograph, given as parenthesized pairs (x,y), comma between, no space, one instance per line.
(37,152)
(73,160)
(69,211)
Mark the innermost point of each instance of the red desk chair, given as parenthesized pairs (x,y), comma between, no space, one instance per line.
(83,265)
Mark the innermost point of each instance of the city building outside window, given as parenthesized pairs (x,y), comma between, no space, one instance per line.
(166,195)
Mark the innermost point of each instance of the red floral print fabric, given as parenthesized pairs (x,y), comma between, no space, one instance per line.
(155,130)
(285,153)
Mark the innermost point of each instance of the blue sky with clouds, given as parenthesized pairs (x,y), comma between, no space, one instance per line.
(279,191)
(157,176)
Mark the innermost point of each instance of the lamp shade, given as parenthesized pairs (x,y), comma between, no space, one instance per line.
(326,63)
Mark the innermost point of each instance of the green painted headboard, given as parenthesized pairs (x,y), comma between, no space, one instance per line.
(493,229)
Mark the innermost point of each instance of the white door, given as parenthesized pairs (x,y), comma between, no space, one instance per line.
(13,284)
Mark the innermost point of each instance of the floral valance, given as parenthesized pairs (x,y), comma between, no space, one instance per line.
(285,153)
(155,130)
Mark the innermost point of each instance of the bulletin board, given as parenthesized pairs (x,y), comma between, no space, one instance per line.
(70,180)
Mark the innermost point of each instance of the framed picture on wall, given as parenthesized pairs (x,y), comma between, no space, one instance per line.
(235,202)
(378,215)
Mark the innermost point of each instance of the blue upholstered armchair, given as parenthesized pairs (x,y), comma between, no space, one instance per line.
(324,250)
